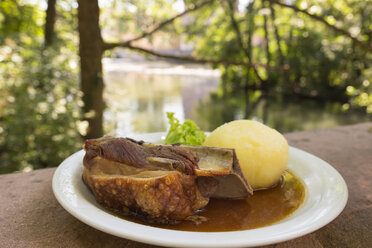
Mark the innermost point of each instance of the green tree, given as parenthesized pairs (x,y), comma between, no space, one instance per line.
(39,97)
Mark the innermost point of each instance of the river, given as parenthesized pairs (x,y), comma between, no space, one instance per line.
(139,93)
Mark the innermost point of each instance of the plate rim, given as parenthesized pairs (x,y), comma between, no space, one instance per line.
(242,238)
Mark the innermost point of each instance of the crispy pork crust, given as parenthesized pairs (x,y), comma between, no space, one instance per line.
(172,196)
(118,173)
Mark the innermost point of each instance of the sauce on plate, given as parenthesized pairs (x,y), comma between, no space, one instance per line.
(264,208)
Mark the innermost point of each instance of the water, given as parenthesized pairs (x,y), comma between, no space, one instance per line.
(138,95)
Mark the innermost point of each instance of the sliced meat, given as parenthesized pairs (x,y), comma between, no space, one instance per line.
(163,183)
(132,153)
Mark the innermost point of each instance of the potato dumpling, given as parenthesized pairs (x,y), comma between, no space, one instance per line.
(262,151)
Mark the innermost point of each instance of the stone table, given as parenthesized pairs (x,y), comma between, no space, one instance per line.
(30,216)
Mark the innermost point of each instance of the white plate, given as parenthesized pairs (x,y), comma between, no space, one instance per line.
(326,197)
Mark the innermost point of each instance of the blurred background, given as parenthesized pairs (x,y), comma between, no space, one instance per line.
(77,69)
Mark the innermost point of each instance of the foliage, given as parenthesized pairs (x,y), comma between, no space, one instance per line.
(39,100)
(17,19)
(187,133)
(311,61)
(123,19)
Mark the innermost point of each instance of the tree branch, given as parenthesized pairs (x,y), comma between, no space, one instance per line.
(267,45)
(281,60)
(277,36)
(198,60)
(157,27)
(361,44)
(239,36)
(236,28)
(50,20)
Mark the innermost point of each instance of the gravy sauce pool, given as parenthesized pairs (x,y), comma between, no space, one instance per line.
(264,208)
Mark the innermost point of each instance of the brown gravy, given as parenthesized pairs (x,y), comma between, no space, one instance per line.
(264,208)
